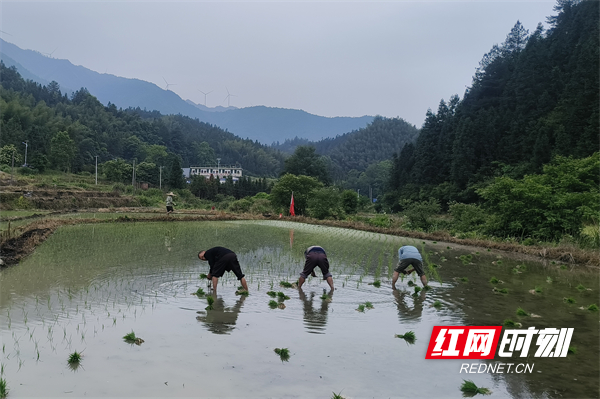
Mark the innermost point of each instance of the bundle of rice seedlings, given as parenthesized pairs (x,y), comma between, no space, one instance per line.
(272,294)
(284,354)
(521,312)
(510,323)
(132,339)
(200,292)
(337,395)
(273,304)
(368,305)
(210,301)
(281,296)
(74,358)
(569,300)
(470,388)
(494,280)
(593,307)
(361,308)
(3,388)
(408,337)
(285,284)
(437,304)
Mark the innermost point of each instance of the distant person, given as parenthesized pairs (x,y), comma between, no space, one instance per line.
(170,202)
(407,256)
(315,256)
(222,260)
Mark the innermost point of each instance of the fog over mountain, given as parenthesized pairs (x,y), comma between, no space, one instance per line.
(264,124)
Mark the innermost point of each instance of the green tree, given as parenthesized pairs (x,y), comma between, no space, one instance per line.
(301,186)
(306,162)
(117,170)
(205,155)
(548,205)
(175,173)
(326,202)
(6,155)
(349,201)
(62,151)
(147,172)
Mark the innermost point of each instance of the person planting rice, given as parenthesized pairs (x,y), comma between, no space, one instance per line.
(315,256)
(409,255)
(222,260)
(170,202)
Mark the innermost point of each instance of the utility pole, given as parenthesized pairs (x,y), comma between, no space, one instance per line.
(12,169)
(370,194)
(133,176)
(160,177)
(26,145)
(358,194)
(96,169)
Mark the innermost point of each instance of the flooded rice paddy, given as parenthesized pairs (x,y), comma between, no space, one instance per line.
(88,286)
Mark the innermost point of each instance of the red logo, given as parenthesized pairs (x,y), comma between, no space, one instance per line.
(460,342)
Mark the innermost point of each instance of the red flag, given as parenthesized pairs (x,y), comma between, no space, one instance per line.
(292,206)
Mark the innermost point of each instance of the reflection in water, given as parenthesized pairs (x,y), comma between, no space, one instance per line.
(406,312)
(221,320)
(315,321)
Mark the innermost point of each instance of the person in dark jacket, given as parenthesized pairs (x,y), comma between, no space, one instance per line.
(315,256)
(222,260)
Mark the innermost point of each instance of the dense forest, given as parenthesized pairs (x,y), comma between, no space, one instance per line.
(534,97)
(68,133)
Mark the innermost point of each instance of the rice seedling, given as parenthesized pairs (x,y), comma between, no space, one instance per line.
(494,280)
(549,280)
(437,304)
(580,287)
(368,305)
(411,283)
(521,312)
(572,349)
(510,323)
(464,279)
(281,296)
(200,292)
(3,388)
(593,307)
(468,387)
(569,300)
(337,395)
(361,308)
(241,291)
(285,284)
(284,354)
(500,290)
(272,294)
(273,304)
(417,289)
(409,337)
(210,301)
(376,283)
(74,358)
(203,276)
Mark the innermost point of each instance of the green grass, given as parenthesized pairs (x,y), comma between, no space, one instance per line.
(284,354)
(285,284)
(273,304)
(3,388)
(593,307)
(468,387)
(74,358)
(408,337)
(521,312)
(272,294)
(200,292)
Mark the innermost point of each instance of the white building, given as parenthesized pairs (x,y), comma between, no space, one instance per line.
(220,172)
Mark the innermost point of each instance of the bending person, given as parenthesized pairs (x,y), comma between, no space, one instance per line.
(409,255)
(222,260)
(315,256)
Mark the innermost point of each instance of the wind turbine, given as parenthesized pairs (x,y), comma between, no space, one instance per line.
(49,55)
(229,95)
(168,84)
(205,94)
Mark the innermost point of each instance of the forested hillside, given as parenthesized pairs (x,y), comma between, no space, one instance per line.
(534,97)
(68,133)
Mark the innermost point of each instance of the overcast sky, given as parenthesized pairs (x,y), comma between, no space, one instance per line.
(393,58)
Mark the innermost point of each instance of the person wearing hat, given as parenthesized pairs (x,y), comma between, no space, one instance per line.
(170,202)
(222,260)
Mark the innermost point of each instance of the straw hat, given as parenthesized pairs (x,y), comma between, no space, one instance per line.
(171,193)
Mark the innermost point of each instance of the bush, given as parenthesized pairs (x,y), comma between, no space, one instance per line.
(467,217)
(261,206)
(240,206)
(119,187)
(326,203)
(26,171)
(380,221)
(419,213)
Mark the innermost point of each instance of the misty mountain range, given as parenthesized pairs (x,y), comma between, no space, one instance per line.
(264,124)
